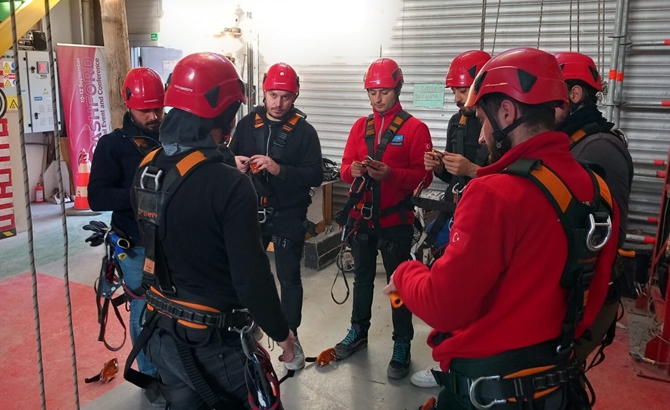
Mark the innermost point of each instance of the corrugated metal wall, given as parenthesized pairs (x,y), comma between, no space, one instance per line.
(429,33)
(646,123)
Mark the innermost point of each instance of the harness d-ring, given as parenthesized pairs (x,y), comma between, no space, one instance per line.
(473,398)
(592,229)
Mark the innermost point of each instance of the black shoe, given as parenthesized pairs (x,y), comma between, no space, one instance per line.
(399,365)
(355,340)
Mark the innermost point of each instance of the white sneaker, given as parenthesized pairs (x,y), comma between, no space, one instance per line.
(425,378)
(298,361)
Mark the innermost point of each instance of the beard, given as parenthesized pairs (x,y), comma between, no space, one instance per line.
(150,127)
(467,111)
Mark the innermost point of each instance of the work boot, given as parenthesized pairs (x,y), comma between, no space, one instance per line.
(355,340)
(399,365)
(298,361)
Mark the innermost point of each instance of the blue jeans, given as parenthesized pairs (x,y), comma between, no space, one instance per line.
(131,266)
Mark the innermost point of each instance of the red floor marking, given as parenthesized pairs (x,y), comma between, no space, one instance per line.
(19,382)
(618,387)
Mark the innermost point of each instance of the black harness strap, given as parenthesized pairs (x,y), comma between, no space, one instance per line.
(377,212)
(153,198)
(260,180)
(459,146)
(574,216)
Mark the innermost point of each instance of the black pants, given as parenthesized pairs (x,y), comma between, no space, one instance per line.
(395,249)
(223,366)
(289,236)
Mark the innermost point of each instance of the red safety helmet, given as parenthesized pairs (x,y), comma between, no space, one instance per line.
(578,66)
(383,73)
(143,89)
(528,75)
(204,84)
(465,67)
(281,76)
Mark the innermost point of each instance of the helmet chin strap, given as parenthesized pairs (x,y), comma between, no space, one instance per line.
(501,137)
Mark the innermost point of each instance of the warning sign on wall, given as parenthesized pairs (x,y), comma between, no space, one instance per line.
(7,221)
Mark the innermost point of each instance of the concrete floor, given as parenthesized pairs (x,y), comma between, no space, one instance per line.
(360,382)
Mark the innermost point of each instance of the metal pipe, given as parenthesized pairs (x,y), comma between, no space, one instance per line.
(622,62)
(646,104)
(650,43)
(640,239)
(614,59)
(640,218)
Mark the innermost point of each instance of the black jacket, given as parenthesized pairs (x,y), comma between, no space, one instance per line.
(115,160)
(300,163)
(213,244)
(607,151)
(472,150)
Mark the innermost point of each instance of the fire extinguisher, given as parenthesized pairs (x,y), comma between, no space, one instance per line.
(39,193)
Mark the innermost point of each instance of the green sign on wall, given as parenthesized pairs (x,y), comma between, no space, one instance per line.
(154,36)
(429,95)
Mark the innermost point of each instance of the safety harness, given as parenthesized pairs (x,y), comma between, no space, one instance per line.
(588,228)
(169,307)
(445,208)
(110,279)
(368,210)
(260,179)
(576,138)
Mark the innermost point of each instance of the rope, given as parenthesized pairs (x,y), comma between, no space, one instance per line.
(579,12)
(66,278)
(495,31)
(570,25)
(29,218)
(601,35)
(539,27)
(481,40)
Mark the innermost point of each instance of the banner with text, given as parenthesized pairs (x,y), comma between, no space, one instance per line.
(82,73)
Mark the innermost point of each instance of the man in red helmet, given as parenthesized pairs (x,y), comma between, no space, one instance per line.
(281,152)
(206,276)
(595,140)
(463,156)
(521,277)
(115,160)
(385,149)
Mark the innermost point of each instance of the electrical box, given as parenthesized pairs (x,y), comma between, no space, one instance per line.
(35,76)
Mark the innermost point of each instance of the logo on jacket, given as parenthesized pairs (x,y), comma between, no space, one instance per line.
(397,140)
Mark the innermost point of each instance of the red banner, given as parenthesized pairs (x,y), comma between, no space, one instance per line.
(82,73)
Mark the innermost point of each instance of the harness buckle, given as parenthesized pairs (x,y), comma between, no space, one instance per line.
(232,322)
(604,222)
(262,216)
(457,192)
(156,178)
(473,398)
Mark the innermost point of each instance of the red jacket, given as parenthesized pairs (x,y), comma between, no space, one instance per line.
(404,156)
(497,286)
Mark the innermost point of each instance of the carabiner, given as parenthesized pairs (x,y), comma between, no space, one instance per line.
(366,212)
(262,216)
